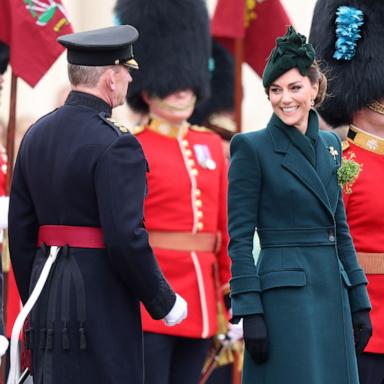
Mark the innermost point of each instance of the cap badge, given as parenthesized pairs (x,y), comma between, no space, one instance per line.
(204,157)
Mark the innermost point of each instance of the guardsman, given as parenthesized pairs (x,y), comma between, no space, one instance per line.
(79,184)
(354,63)
(185,210)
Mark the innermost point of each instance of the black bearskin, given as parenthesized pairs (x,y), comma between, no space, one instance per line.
(173,48)
(352,84)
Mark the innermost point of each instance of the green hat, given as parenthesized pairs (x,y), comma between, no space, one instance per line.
(291,51)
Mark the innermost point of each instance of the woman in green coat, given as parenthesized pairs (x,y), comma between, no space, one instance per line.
(304,302)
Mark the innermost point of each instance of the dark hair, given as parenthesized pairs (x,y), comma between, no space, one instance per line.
(315,76)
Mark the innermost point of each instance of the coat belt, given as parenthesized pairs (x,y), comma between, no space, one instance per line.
(185,241)
(73,236)
(292,237)
(372,263)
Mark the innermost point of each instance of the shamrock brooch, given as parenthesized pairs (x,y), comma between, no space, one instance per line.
(333,152)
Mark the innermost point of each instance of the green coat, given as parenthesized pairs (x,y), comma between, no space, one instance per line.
(307,280)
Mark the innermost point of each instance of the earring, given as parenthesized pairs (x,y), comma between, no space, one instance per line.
(312,102)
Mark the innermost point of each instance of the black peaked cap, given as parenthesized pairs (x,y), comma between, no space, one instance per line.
(100,47)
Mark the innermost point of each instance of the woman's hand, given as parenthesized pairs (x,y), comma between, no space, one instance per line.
(362,329)
(255,337)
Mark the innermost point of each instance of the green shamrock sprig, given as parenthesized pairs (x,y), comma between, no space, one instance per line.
(348,172)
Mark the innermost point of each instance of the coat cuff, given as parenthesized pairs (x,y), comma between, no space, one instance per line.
(359,299)
(161,305)
(357,277)
(245,296)
(358,294)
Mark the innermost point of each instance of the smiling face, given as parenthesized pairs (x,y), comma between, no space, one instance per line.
(291,96)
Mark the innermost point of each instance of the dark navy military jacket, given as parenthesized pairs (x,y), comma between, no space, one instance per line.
(75,168)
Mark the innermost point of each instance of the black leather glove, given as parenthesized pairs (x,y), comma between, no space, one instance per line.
(362,329)
(255,337)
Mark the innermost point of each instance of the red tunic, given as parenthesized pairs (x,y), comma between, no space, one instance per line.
(365,214)
(186,195)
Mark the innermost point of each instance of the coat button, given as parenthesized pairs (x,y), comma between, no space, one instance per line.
(331,237)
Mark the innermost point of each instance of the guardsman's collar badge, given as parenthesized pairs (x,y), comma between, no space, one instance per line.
(204,157)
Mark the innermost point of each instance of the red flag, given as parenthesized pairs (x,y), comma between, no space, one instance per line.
(266,22)
(30,28)
(228,20)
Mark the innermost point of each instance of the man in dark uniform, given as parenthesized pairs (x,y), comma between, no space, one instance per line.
(79,184)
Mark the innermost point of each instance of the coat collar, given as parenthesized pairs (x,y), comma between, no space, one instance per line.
(315,179)
(88,100)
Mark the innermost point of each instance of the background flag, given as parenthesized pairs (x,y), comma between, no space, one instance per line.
(259,24)
(30,29)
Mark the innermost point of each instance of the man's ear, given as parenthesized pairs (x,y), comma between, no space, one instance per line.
(108,77)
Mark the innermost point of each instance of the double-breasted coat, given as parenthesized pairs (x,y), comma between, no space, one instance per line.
(75,168)
(306,280)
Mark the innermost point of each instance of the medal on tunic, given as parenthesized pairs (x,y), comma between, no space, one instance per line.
(204,157)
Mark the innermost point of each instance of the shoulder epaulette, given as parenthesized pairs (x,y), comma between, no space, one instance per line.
(344,145)
(138,129)
(198,128)
(119,128)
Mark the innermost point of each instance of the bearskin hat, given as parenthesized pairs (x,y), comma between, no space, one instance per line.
(173,48)
(356,78)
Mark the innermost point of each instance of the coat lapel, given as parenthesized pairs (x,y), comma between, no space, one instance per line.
(298,165)
(325,162)
(295,162)
(326,168)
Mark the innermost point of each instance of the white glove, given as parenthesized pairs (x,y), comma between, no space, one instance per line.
(3,346)
(178,312)
(4,204)
(235,331)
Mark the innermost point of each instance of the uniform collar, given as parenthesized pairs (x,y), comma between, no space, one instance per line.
(166,129)
(88,100)
(366,140)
